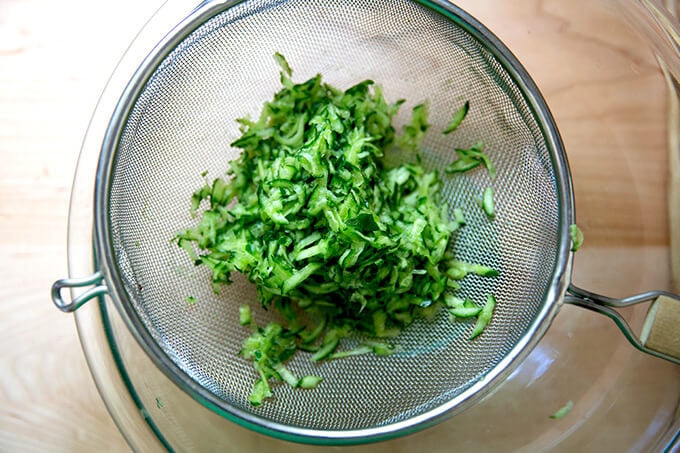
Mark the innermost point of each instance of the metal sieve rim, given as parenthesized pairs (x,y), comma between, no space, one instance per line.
(552,299)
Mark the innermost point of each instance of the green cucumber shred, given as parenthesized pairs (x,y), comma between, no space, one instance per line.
(337,241)
(576,237)
(309,382)
(484,316)
(467,310)
(469,158)
(244,315)
(457,119)
(488,204)
(563,411)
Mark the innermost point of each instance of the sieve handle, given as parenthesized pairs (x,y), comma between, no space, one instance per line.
(660,335)
(68,307)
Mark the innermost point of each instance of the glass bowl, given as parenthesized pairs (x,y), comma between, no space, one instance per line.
(607,70)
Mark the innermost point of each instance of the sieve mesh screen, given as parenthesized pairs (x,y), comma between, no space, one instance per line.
(182,123)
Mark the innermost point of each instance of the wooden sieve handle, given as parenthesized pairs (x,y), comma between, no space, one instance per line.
(660,335)
(661,330)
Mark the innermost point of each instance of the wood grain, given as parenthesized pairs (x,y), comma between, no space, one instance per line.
(606,92)
(660,330)
(54,61)
(599,78)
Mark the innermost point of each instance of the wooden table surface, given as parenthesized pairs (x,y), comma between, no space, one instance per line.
(603,85)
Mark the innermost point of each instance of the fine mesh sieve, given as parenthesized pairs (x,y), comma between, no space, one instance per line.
(176,120)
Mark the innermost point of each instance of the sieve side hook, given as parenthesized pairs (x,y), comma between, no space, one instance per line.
(659,337)
(75,303)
